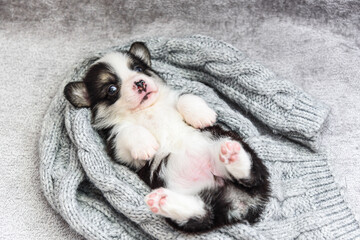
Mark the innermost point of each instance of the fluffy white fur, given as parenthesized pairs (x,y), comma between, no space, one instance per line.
(195,111)
(174,205)
(168,124)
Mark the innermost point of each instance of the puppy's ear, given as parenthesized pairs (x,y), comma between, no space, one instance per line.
(76,93)
(140,50)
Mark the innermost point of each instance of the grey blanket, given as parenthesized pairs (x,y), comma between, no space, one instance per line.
(102,199)
(313,44)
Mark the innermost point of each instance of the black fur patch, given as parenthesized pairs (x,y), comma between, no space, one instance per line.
(147,70)
(217,206)
(98,80)
(110,144)
(76,94)
(145,174)
(140,50)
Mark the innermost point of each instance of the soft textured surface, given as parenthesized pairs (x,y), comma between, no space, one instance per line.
(314,45)
(89,190)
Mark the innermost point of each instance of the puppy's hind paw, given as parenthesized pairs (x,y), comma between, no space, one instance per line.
(229,152)
(173,205)
(155,200)
(237,161)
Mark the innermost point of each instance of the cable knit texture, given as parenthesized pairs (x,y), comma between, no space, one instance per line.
(102,199)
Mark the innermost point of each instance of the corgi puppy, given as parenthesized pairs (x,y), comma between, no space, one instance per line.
(202,176)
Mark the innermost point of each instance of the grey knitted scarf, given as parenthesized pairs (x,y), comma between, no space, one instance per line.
(102,199)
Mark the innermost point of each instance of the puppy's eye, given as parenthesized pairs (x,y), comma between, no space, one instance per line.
(112,90)
(137,68)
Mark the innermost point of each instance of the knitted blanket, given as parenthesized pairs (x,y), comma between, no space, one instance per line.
(102,199)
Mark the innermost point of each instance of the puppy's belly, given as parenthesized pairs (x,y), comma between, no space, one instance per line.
(192,168)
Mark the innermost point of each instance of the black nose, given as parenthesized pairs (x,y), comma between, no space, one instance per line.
(141,86)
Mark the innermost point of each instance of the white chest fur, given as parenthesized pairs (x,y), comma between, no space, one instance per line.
(191,152)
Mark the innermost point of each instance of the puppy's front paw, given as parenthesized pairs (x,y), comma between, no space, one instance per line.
(145,147)
(196,112)
(205,117)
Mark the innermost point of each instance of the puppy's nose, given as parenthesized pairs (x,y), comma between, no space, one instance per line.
(141,86)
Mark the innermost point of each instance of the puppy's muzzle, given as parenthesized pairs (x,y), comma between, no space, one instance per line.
(141,86)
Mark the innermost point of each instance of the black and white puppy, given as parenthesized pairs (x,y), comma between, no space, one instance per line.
(202,176)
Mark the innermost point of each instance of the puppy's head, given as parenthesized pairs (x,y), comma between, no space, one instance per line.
(119,82)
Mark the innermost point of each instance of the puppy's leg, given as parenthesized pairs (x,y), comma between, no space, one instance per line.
(236,160)
(240,164)
(178,207)
(195,111)
(134,143)
(212,207)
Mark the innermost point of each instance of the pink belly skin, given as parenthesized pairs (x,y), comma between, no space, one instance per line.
(199,169)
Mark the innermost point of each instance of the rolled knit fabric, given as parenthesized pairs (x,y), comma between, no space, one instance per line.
(102,199)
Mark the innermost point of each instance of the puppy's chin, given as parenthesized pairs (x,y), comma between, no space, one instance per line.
(147,100)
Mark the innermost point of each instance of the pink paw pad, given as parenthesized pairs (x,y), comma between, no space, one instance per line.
(154,209)
(150,202)
(155,200)
(229,152)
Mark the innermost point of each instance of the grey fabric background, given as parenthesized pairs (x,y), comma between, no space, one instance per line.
(314,45)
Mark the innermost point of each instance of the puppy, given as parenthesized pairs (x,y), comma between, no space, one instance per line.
(202,176)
